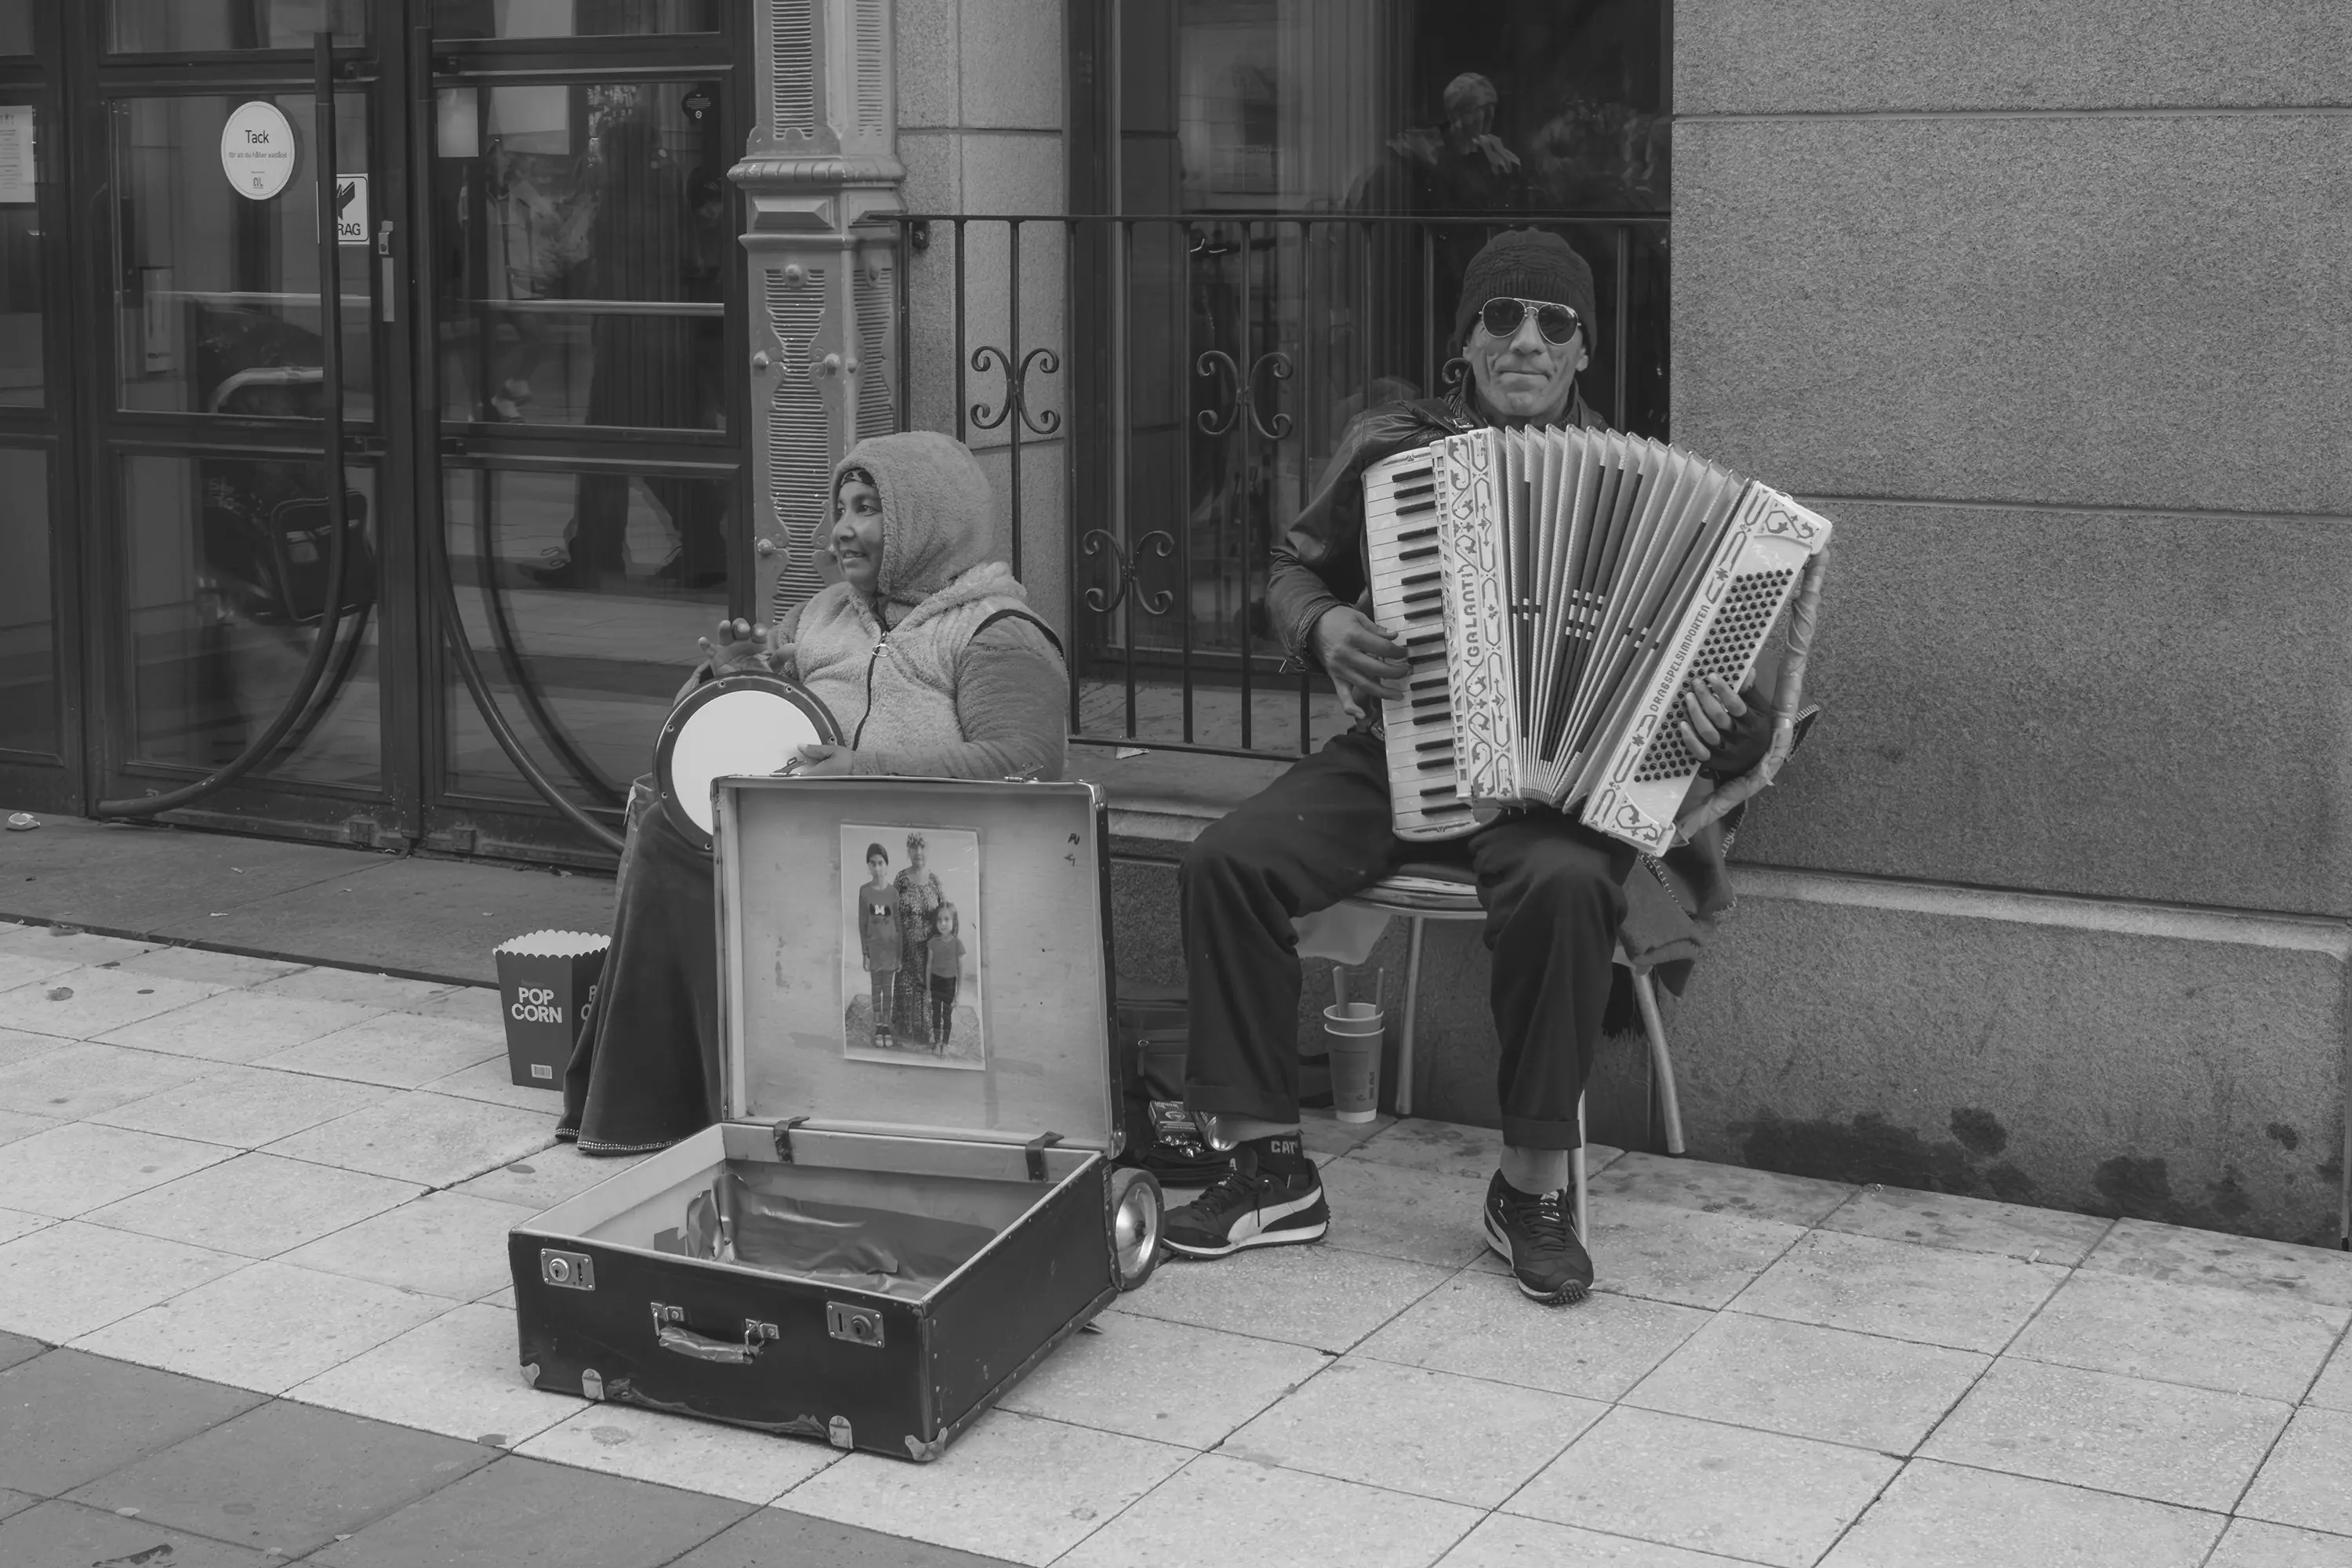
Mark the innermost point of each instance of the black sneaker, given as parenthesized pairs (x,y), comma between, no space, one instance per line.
(1537,1234)
(1253,1205)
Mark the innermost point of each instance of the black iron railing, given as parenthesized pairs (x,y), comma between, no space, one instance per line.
(1182,380)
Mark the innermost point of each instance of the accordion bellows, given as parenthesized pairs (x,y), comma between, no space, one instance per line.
(1558,591)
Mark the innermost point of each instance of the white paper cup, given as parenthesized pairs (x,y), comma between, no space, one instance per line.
(1353,1032)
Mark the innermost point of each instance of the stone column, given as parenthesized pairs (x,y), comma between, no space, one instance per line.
(821,177)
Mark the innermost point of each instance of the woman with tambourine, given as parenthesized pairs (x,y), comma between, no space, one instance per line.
(924,660)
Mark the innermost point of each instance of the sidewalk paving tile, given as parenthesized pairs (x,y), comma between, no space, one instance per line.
(2152,1251)
(44,939)
(1329,1298)
(30,967)
(284,1478)
(1721,1189)
(1398,1210)
(15,1503)
(1667,1252)
(2308,1478)
(14,1224)
(459,1374)
(83,1004)
(17,1045)
(2157,1440)
(15,1124)
(493,1080)
(2208,1336)
(68,1534)
(1507,1541)
(1726,1490)
(1148,1378)
(443,1244)
(464,1004)
(1966,1301)
(244,1107)
(396,1049)
(2333,1390)
(80,1080)
(1470,1154)
(1406,1429)
(2252,1543)
(15,1349)
(519,1512)
(1811,1382)
(679,1451)
(554,1175)
(773,1538)
(72,1169)
(1948,1516)
(1325,1136)
(1478,1325)
(383,993)
(202,964)
(1227,1513)
(1013,1485)
(66,1418)
(265,1327)
(429,1139)
(64,1281)
(241,1026)
(256,1206)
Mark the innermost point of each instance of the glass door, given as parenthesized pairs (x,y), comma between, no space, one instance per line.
(240,381)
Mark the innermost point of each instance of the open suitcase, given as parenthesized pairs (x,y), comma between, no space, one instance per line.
(911,1200)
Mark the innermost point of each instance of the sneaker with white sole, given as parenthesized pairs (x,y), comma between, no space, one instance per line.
(1269,1198)
(1535,1232)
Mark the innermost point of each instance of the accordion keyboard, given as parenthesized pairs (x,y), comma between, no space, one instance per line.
(1408,598)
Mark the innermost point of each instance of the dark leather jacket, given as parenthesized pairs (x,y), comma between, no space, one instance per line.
(1321,562)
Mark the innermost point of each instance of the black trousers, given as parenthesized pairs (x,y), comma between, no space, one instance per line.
(1554,892)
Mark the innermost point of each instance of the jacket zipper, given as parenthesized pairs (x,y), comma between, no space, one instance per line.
(881,647)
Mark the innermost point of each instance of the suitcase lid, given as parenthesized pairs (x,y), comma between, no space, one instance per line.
(803,929)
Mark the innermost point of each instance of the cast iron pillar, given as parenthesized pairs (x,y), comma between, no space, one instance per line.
(820,177)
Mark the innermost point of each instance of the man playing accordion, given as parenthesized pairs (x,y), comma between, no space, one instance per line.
(1553,890)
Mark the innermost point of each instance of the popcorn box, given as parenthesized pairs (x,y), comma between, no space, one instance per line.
(546,987)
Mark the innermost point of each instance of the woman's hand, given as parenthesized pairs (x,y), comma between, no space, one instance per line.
(1728,735)
(819,763)
(739,647)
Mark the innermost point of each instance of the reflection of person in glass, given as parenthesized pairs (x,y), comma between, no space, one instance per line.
(878,937)
(1555,893)
(930,660)
(919,896)
(1461,165)
(650,240)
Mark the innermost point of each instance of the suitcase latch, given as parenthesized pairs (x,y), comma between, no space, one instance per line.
(570,1270)
(857,1325)
(1035,1148)
(784,1136)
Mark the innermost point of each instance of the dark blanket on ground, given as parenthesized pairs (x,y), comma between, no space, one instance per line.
(645,1072)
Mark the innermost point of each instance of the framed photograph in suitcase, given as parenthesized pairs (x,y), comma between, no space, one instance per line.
(867,1249)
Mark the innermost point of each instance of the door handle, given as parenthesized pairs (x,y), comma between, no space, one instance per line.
(671,1334)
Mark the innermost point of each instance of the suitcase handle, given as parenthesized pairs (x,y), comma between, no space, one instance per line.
(671,1333)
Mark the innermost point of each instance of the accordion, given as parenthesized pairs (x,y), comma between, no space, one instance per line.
(1558,591)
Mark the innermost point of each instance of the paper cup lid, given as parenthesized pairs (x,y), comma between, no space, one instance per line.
(555,944)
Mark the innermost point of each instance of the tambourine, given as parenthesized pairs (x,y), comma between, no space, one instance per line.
(736,724)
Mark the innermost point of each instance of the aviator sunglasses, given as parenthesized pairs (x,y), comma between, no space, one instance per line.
(1557,324)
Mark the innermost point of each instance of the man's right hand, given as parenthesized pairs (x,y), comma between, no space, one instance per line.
(739,647)
(1366,664)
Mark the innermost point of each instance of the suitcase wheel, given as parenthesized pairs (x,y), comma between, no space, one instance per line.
(1135,1208)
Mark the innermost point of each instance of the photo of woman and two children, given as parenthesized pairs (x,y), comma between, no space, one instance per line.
(911,974)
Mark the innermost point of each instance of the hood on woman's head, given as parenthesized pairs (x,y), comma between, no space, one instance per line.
(938,516)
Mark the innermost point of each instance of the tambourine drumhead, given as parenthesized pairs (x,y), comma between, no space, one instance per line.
(736,724)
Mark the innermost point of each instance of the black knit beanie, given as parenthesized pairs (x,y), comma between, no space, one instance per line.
(1525,264)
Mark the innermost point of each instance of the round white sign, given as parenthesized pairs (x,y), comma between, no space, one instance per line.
(258,151)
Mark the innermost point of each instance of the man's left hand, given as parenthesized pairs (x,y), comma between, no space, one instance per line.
(819,763)
(1728,735)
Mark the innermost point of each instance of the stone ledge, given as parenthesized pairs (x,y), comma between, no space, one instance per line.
(1170,796)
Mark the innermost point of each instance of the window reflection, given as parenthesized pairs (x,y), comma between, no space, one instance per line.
(174,26)
(21,351)
(569,18)
(217,296)
(587,236)
(586,680)
(28,703)
(224,586)
(16,26)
